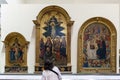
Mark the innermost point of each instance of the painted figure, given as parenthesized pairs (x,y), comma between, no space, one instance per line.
(91,49)
(48,44)
(48,54)
(57,47)
(12,54)
(20,55)
(42,48)
(16,46)
(101,52)
(63,49)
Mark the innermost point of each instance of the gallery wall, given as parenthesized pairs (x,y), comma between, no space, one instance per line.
(58,1)
(68,1)
(18,18)
(15,1)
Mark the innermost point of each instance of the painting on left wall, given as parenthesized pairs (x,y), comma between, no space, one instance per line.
(16,53)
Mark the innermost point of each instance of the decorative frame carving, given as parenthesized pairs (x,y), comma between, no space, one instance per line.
(16,53)
(83,57)
(63,19)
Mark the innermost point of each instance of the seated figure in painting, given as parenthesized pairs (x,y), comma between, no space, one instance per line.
(101,51)
(91,48)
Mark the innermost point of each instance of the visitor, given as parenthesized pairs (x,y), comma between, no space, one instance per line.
(50,71)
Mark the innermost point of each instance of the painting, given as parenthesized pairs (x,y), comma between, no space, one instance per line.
(53,37)
(96,53)
(16,53)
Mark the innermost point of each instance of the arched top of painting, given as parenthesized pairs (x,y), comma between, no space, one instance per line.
(14,35)
(53,8)
(98,20)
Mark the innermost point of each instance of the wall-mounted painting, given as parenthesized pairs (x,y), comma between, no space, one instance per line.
(16,53)
(53,37)
(97,46)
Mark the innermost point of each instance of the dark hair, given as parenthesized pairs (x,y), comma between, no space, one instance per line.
(48,65)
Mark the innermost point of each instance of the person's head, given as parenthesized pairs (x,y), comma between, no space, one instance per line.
(48,65)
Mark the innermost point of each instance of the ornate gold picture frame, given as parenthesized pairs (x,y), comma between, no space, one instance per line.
(16,53)
(97,40)
(53,37)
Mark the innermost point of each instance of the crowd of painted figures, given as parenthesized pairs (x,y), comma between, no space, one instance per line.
(53,48)
(96,46)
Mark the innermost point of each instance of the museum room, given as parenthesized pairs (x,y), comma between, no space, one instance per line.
(80,37)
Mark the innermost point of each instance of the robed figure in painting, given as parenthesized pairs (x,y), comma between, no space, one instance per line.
(42,48)
(63,48)
(101,51)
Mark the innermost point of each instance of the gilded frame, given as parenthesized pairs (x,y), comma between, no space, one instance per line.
(113,37)
(50,11)
(15,53)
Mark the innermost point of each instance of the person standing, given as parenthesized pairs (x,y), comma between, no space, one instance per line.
(50,71)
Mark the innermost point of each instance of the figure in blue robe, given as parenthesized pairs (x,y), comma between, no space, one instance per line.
(101,52)
(12,55)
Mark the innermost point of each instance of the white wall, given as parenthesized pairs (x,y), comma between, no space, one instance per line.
(59,1)
(18,18)
(69,1)
(15,1)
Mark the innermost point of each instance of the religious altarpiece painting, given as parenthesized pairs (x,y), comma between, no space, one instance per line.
(97,41)
(53,37)
(16,53)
